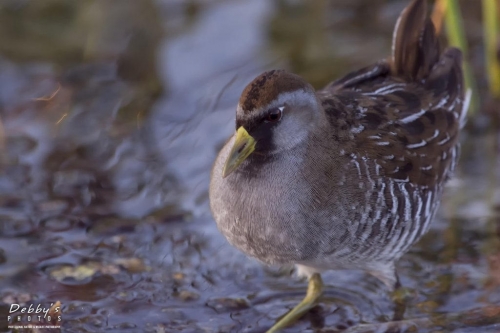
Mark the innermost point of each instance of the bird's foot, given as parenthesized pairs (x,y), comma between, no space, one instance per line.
(314,291)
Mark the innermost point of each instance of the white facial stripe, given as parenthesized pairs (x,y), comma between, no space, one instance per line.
(296,98)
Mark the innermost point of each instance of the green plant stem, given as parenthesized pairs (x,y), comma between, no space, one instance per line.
(490,26)
(456,37)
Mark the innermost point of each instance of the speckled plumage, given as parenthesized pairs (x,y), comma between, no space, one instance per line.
(352,175)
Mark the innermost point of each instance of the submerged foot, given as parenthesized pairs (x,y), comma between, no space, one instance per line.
(401,296)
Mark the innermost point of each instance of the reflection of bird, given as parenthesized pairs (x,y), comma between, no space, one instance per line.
(348,177)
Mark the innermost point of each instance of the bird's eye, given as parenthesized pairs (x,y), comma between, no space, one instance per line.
(273,115)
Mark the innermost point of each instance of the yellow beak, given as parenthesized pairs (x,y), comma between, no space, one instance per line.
(244,145)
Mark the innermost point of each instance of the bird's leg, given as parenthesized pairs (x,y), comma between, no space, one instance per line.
(400,296)
(314,291)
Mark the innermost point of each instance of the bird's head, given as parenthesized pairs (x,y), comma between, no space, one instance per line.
(276,112)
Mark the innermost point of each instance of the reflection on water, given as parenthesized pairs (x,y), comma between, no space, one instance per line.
(111,116)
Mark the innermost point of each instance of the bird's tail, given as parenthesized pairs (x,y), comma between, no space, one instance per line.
(415,45)
(416,56)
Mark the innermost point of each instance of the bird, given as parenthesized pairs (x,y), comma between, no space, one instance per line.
(349,176)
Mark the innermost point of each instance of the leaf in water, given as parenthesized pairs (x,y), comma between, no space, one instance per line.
(78,273)
(133,265)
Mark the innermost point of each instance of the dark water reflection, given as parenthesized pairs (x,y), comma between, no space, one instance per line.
(111,116)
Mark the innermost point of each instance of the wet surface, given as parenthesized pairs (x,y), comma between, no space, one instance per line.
(108,132)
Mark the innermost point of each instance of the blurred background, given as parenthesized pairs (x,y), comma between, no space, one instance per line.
(111,114)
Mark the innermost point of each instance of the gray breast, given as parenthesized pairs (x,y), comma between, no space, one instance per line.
(263,213)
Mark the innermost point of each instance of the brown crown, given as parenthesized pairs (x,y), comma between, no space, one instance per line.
(267,86)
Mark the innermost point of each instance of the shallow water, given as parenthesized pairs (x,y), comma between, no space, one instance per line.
(111,116)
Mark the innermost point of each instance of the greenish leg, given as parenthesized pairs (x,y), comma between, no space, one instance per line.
(314,291)
(400,297)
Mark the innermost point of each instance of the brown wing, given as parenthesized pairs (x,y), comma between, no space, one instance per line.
(404,113)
